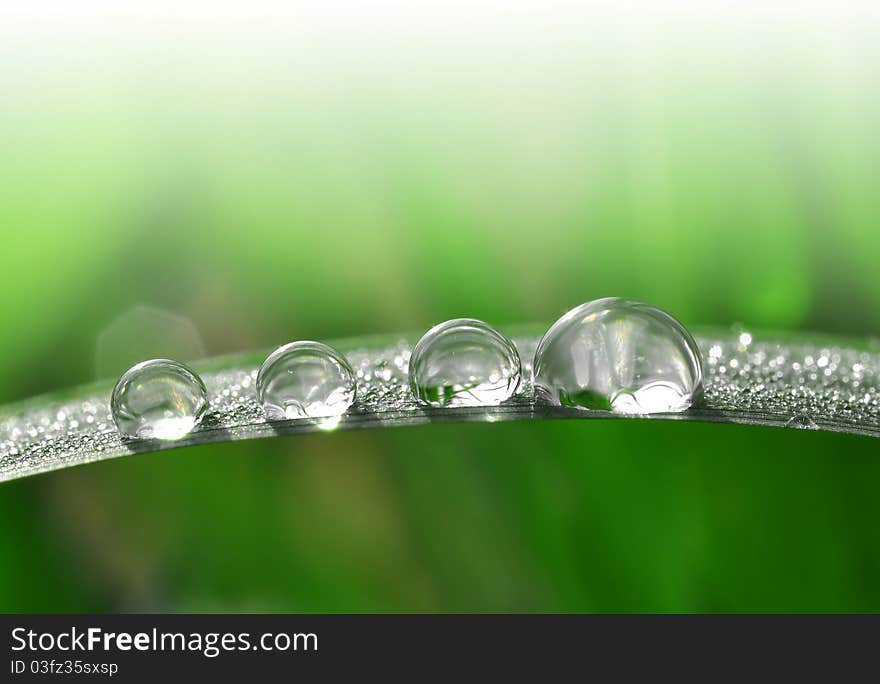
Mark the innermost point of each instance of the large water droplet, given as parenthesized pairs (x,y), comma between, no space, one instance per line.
(305,380)
(158,399)
(618,355)
(464,362)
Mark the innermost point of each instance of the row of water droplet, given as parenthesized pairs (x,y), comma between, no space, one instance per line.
(609,354)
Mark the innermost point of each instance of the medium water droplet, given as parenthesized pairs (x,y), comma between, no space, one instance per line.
(618,355)
(158,399)
(464,362)
(305,380)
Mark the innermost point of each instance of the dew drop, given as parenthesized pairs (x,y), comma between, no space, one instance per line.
(158,399)
(305,380)
(618,355)
(464,362)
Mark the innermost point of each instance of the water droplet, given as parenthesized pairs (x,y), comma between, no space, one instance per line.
(464,362)
(305,380)
(618,355)
(158,399)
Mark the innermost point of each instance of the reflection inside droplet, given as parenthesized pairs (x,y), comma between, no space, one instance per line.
(801,421)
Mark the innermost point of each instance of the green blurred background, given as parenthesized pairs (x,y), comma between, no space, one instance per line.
(229,176)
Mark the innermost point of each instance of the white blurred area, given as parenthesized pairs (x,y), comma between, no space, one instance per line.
(451,59)
(64,31)
(439,58)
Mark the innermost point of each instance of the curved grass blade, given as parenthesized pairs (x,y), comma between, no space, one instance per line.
(772,380)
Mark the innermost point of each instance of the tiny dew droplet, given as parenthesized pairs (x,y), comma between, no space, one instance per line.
(158,399)
(464,362)
(618,355)
(305,380)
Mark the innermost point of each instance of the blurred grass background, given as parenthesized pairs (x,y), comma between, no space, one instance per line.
(235,177)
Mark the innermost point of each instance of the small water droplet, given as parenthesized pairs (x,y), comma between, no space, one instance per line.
(464,362)
(305,380)
(158,399)
(618,355)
